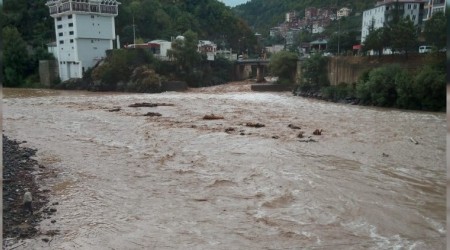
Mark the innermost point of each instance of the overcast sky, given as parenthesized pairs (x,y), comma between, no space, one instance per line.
(233,3)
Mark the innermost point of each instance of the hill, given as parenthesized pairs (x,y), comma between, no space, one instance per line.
(261,15)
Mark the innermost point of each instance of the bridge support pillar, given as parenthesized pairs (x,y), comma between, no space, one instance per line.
(260,72)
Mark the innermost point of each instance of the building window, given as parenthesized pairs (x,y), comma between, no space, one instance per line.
(61,41)
(70,32)
(70,24)
(60,34)
(70,16)
(59,26)
(92,41)
(92,16)
(58,18)
(71,40)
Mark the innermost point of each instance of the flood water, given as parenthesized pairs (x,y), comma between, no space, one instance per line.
(128,181)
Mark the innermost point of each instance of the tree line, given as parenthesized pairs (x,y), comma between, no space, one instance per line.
(137,70)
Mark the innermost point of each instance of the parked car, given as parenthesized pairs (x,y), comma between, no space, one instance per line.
(424,49)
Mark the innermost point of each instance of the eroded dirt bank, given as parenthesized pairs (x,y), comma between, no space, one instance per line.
(177,181)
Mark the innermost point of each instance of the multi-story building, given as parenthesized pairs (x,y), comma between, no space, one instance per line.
(434,6)
(84,29)
(384,11)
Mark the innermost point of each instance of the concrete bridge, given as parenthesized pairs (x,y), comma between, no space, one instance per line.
(243,69)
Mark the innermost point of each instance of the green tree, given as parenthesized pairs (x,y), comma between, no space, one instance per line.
(404,35)
(314,74)
(379,88)
(434,30)
(185,55)
(15,57)
(284,65)
(377,39)
(407,96)
(430,88)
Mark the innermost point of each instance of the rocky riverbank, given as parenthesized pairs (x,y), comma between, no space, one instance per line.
(18,175)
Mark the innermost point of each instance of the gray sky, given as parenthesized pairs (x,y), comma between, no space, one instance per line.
(233,3)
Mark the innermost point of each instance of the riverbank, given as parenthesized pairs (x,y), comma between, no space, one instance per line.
(20,171)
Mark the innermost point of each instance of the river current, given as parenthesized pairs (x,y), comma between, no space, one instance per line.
(176,181)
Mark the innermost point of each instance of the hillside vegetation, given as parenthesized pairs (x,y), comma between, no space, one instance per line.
(28,25)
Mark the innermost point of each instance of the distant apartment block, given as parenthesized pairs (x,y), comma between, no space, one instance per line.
(434,6)
(384,10)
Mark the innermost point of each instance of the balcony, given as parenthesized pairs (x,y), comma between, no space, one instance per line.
(63,6)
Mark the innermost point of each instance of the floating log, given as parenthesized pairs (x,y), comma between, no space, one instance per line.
(152,114)
(292,126)
(254,125)
(114,109)
(212,117)
(414,141)
(143,104)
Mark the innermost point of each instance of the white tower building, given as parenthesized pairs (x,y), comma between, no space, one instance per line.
(84,29)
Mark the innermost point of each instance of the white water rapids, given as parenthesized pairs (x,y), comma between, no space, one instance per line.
(127,181)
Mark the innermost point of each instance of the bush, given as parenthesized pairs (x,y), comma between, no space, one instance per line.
(430,88)
(380,88)
(314,73)
(339,92)
(407,96)
(284,65)
(118,67)
(144,80)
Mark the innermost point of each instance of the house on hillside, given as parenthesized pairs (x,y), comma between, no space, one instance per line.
(208,48)
(343,12)
(384,11)
(159,48)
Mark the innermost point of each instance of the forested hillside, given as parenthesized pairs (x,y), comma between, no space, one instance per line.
(154,19)
(261,15)
(27,28)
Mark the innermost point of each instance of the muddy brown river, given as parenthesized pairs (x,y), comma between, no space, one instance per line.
(176,181)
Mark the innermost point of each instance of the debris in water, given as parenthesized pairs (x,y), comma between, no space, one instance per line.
(414,141)
(228,130)
(212,117)
(152,114)
(293,126)
(143,104)
(275,137)
(308,140)
(318,132)
(300,135)
(385,155)
(148,104)
(254,125)
(114,109)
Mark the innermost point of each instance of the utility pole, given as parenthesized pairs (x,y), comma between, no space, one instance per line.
(339,36)
(134,33)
